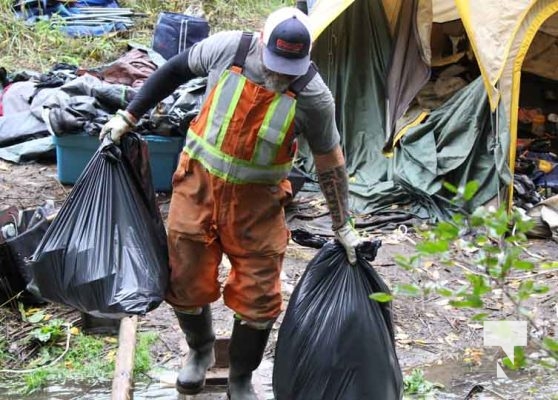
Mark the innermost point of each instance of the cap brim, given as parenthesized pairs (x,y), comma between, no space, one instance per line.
(286,66)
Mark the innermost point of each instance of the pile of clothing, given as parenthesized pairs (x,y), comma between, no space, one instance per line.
(69,100)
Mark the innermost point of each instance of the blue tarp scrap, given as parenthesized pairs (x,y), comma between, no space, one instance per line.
(35,10)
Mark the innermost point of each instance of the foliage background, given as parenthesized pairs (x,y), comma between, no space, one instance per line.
(39,47)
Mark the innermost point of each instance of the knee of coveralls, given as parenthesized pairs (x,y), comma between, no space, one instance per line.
(253,288)
(255,240)
(194,251)
(194,272)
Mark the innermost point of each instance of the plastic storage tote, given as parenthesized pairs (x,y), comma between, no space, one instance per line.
(73,152)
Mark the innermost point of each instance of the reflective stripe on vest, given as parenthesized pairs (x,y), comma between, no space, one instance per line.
(232,169)
(274,128)
(276,124)
(227,92)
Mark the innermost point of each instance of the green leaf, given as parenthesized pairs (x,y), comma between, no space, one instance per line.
(21,309)
(444,292)
(522,225)
(37,317)
(523,265)
(458,219)
(470,190)
(478,284)
(550,363)
(415,383)
(446,231)
(381,297)
(541,289)
(491,249)
(519,359)
(515,239)
(433,247)
(469,301)
(407,290)
(481,240)
(404,262)
(525,289)
(41,334)
(549,265)
(550,344)
(479,216)
(529,287)
(479,317)
(450,188)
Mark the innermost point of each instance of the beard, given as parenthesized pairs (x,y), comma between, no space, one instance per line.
(277,82)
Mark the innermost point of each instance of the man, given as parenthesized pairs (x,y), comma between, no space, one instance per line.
(230,185)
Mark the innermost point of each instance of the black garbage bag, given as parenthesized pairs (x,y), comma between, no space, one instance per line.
(105,252)
(29,227)
(335,343)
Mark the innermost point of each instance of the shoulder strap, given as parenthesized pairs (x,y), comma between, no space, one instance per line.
(242,50)
(300,83)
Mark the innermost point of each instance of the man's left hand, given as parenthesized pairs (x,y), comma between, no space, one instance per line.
(350,239)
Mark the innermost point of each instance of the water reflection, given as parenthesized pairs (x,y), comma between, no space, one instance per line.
(458,380)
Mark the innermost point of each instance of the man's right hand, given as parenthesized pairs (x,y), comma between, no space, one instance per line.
(120,124)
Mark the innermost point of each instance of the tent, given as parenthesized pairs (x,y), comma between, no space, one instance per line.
(377,55)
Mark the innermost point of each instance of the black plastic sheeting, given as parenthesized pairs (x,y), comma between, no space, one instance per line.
(14,255)
(335,342)
(105,253)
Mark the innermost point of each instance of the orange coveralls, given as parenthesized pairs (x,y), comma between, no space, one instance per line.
(228,195)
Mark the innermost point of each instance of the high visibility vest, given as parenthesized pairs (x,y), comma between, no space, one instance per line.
(244,132)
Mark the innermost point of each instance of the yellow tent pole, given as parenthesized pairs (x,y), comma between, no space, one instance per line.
(417,121)
(532,30)
(324,12)
(464,9)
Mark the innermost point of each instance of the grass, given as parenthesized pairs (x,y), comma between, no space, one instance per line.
(241,14)
(416,384)
(35,381)
(40,47)
(53,353)
(90,360)
(143,360)
(3,351)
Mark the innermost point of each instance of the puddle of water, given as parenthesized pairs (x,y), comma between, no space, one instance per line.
(160,387)
(458,380)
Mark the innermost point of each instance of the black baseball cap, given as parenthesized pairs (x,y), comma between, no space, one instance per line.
(287,42)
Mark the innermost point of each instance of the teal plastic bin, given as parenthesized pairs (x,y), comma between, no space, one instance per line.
(73,152)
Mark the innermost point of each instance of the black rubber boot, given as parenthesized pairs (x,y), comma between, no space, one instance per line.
(201,355)
(246,351)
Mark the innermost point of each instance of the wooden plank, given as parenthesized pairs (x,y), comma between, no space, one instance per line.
(122,383)
(222,352)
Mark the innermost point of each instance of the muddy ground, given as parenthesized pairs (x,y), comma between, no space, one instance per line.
(430,334)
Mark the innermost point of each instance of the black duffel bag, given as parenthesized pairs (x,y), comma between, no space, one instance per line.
(175,32)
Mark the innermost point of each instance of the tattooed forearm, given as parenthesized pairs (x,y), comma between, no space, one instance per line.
(335,187)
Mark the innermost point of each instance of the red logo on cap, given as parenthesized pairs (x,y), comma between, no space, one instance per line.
(288,46)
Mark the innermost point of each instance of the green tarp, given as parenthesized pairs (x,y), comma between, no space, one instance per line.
(456,143)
